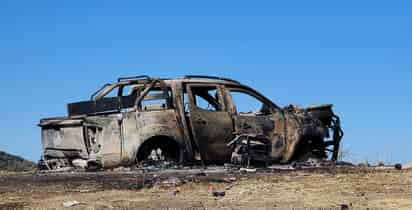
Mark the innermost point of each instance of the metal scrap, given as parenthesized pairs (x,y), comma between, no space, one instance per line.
(70,203)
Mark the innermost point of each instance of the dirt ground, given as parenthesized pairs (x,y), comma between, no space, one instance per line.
(303,189)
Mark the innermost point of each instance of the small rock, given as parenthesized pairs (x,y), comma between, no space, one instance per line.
(70,203)
(344,207)
(219,193)
(232,179)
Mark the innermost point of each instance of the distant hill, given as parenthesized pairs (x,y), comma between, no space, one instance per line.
(10,162)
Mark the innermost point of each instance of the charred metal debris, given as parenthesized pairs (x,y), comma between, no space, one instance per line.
(141,121)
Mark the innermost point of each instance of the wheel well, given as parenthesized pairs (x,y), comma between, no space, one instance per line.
(169,147)
(304,148)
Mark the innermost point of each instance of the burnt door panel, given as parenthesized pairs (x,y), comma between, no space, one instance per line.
(212,128)
(212,131)
(258,125)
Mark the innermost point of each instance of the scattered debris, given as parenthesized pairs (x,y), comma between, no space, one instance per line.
(231,179)
(315,163)
(397,166)
(122,169)
(63,169)
(248,170)
(311,163)
(229,187)
(250,149)
(80,163)
(172,182)
(219,193)
(70,203)
(158,164)
(287,167)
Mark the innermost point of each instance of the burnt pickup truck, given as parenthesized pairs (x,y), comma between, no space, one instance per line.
(186,120)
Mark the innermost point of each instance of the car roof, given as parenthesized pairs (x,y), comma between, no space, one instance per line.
(184,79)
(143,79)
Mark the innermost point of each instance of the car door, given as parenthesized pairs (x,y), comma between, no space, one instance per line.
(252,115)
(255,116)
(211,124)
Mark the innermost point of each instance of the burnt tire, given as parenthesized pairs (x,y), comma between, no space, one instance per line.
(165,149)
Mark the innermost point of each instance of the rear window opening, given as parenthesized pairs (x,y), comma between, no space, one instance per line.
(157,99)
(205,98)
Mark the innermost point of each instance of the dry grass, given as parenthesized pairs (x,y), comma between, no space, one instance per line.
(301,190)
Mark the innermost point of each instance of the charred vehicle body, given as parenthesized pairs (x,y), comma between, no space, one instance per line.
(189,119)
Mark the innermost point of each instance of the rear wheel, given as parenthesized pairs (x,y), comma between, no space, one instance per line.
(159,152)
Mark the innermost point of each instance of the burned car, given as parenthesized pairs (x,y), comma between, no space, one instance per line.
(186,120)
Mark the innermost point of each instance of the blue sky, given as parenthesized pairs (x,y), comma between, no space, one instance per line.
(354,54)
